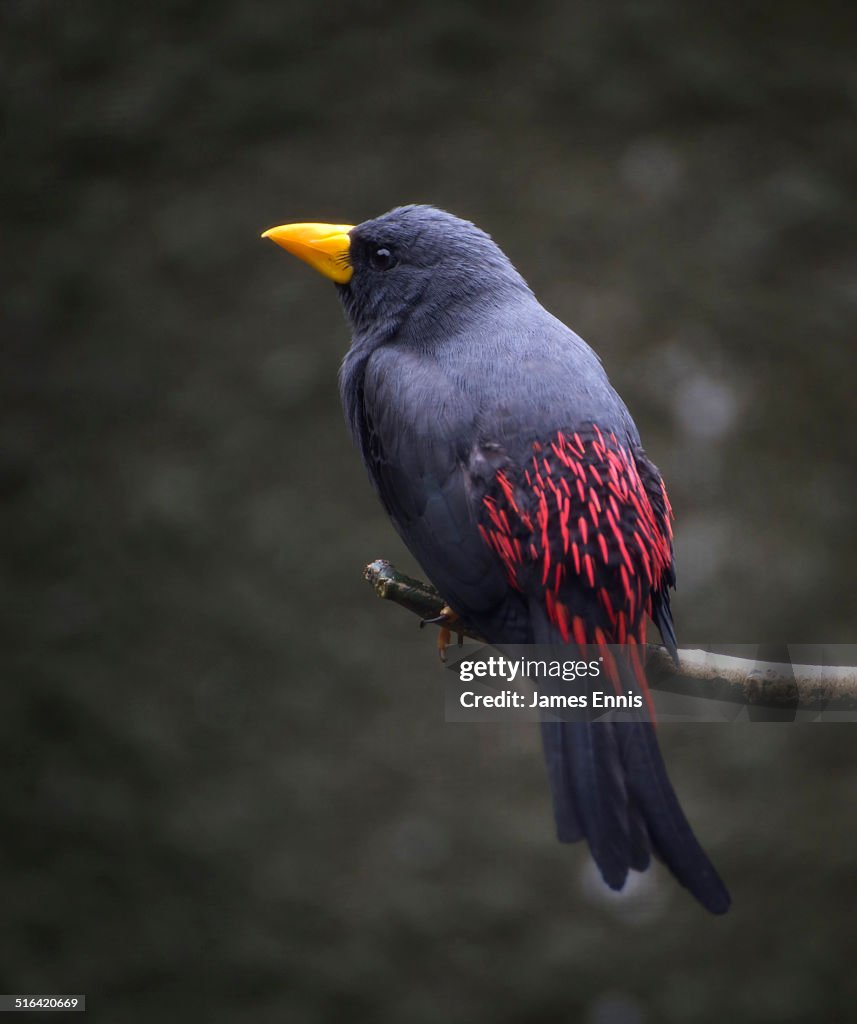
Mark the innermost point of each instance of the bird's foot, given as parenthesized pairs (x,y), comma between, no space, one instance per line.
(447,621)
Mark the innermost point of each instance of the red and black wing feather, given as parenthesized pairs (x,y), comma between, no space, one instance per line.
(585,524)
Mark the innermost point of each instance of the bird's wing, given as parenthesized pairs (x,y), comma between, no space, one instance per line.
(584,534)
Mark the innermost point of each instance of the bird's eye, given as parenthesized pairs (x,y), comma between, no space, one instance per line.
(382,259)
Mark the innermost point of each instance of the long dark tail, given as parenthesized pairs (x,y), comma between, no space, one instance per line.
(609,786)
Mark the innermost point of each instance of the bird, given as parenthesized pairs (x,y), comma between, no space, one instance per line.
(515,475)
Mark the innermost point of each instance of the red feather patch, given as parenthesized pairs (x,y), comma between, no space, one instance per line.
(579,524)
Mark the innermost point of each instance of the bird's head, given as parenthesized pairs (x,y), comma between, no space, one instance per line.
(409,268)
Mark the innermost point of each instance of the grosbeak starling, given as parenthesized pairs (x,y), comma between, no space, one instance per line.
(515,475)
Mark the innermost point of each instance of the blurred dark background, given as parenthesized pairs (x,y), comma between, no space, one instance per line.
(227,791)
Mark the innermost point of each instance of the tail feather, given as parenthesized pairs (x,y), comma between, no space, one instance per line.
(609,786)
(671,836)
(589,795)
(561,780)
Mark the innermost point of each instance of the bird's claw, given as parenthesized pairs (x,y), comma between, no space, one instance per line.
(445,620)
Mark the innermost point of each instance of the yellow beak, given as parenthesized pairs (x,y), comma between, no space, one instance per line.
(324,246)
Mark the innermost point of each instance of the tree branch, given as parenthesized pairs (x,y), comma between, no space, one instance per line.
(767,684)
